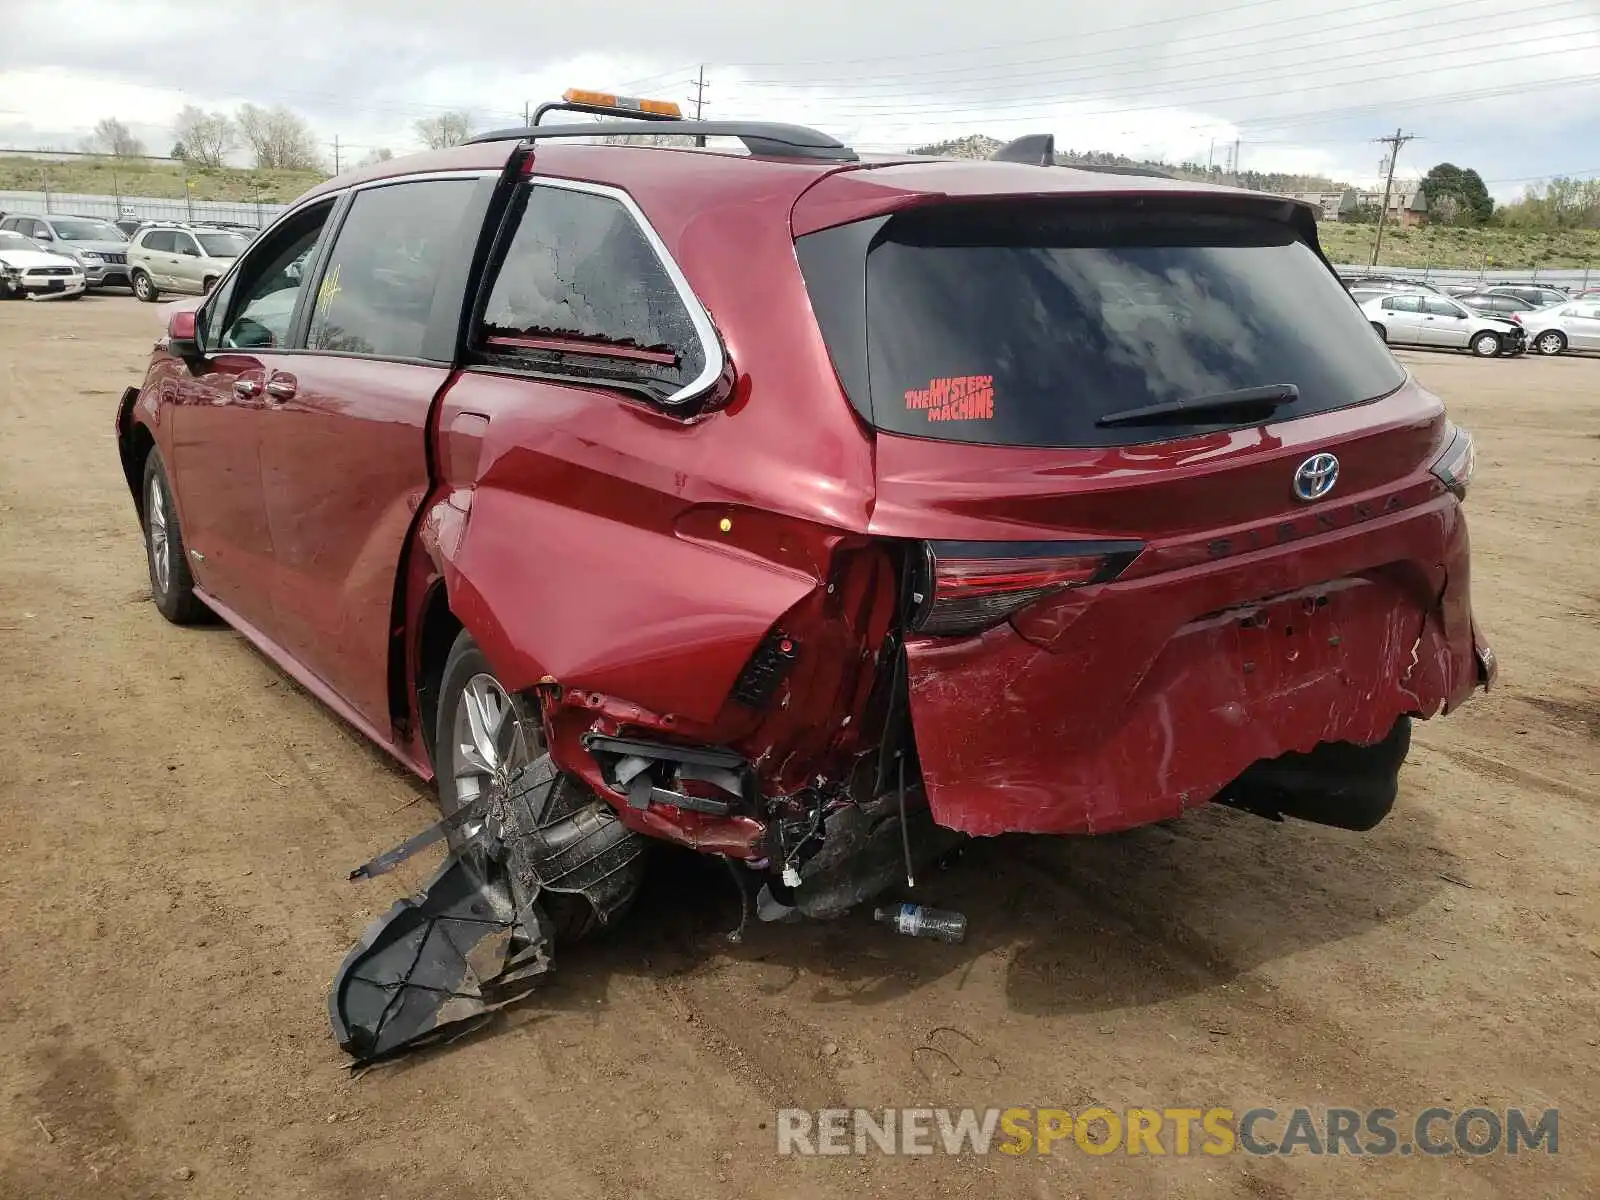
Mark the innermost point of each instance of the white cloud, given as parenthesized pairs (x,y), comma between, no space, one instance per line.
(1305,85)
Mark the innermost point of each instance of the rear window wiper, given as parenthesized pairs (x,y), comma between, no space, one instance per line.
(1250,401)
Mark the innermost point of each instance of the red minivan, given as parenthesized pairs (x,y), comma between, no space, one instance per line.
(810,509)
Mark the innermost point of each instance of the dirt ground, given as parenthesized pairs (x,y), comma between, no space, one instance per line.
(177,820)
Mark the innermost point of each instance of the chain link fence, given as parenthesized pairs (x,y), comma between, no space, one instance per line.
(140,208)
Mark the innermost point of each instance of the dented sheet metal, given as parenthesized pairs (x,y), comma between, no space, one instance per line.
(1114,714)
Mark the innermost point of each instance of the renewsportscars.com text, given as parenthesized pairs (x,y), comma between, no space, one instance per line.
(1180,1132)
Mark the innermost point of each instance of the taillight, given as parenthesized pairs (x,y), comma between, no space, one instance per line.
(1516,318)
(1455,464)
(966,587)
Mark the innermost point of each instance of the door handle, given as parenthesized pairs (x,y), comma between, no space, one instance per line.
(246,389)
(282,387)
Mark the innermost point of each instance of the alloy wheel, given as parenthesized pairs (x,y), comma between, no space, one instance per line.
(160,546)
(491,744)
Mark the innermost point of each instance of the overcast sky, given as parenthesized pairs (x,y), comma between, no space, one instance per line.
(1510,88)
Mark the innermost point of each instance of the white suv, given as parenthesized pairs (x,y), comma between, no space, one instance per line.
(180,258)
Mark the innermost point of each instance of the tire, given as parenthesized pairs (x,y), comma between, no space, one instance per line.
(572,917)
(1383,334)
(1551,342)
(145,288)
(1486,344)
(171,584)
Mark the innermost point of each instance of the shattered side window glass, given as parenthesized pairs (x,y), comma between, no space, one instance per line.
(581,291)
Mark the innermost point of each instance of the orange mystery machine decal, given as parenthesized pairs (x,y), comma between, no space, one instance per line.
(959,398)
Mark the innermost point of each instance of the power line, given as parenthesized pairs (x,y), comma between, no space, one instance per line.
(1233,63)
(967,51)
(1176,95)
(1121,55)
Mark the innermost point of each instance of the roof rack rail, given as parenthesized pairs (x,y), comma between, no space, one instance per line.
(768,139)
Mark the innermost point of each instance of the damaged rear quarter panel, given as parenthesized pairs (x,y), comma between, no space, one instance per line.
(571,556)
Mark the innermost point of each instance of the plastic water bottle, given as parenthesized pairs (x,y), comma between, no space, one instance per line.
(914,920)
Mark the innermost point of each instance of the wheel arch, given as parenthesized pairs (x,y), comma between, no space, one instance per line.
(134,443)
(433,604)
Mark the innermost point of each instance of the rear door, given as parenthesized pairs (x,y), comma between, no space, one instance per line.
(183,264)
(1402,319)
(1445,323)
(155,255)
(344,456)
(1583,327)
(1117,606)
(219,403)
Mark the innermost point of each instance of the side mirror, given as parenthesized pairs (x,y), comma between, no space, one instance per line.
(183,339)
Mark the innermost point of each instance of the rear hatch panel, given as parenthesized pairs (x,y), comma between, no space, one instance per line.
(1253,621)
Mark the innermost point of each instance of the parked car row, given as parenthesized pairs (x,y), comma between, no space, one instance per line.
(1489,320)
(28,270)
(154,257)
(96,246)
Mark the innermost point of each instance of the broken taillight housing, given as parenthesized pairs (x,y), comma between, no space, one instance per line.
(961,588)
(1455,464)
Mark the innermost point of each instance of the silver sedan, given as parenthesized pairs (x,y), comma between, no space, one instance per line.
(1429,319)
(1562,327)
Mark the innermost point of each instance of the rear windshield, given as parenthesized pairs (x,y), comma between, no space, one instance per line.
(1024,326)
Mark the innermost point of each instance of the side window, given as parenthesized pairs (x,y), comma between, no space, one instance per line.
(184,244)
(376,296)
(582,292)
(159,241)
(261,303)
(1443,308)
(1408,304)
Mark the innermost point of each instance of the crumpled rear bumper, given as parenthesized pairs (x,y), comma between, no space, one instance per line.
(1142,710)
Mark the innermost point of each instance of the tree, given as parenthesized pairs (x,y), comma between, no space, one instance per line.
(112,137)
(278,138)
(206,137)
(446,130)
(1473,204)
(380,155)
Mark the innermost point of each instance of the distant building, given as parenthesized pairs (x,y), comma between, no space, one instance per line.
(1407,204)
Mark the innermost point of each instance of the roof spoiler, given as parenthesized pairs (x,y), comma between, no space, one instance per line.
(1034,149)
(1039,150)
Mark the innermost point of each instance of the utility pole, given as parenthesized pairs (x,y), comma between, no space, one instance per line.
(1394,142)
(1211,155)
(1235,162)
(700,100)
(336,154)
(527,114)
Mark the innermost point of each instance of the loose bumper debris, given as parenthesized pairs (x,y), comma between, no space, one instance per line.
(437,965)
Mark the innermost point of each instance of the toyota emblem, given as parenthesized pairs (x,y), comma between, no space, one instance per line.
(1314,478)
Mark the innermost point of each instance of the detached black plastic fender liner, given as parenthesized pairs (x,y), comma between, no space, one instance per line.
(438,965)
